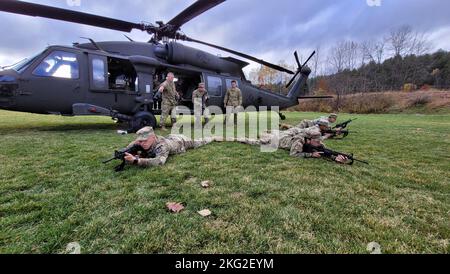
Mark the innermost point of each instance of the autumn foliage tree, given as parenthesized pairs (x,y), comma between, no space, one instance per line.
(271,79)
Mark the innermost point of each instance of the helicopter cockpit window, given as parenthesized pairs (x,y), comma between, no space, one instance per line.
(59,64)
(25,63)
(214,86)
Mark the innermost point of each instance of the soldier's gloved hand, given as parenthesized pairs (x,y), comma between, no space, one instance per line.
(341,159)
(129,158)
(316,155)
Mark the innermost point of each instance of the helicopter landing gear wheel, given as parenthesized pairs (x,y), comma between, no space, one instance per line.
(141,120)
(282,116)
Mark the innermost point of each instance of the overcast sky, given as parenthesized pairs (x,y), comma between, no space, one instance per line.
(269,29)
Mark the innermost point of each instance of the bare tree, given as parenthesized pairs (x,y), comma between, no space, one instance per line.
(404,41)
(351,54)
(342,57)
(400,40)
(419,44)
(373,51)
(380,48)
(315,62)
(336,57)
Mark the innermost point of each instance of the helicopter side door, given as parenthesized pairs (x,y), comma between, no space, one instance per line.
(216,89)
(113,83)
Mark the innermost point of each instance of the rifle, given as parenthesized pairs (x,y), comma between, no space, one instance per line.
(331,154)
(336,133)
(120,155)
(344,124)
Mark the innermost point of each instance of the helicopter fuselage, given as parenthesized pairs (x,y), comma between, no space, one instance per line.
(123,77)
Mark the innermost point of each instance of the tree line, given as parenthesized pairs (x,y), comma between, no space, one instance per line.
(400,59)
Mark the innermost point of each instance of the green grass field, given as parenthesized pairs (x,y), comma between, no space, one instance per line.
(54,190)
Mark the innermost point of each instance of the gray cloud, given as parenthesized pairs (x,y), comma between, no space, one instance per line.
(259,27)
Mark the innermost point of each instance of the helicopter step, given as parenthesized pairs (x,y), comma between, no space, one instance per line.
(88,109)
(135,122)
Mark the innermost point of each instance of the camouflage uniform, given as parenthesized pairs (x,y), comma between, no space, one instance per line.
(311,123)
(306,124)
(233,99)
(169,101)
(292,139)
(170,145)
(199,99)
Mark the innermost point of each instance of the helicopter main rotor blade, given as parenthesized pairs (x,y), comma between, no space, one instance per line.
(309,58)
(193,11)
(36,10)
(243,55)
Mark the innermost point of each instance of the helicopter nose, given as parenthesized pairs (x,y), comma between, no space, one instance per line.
(8,87)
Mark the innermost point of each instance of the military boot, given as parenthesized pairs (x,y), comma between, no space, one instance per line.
(162,125)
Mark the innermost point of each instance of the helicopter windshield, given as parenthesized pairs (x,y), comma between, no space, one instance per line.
(59,64)
(24,64)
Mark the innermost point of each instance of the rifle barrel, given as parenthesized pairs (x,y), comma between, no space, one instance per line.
(361,161)
(110,160)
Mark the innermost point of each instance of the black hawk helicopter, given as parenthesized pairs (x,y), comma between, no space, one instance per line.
(118,79)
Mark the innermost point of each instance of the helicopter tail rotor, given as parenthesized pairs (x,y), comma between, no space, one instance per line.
(300,67)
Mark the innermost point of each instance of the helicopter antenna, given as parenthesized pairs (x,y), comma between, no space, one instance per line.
(131,40)
(93,43)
